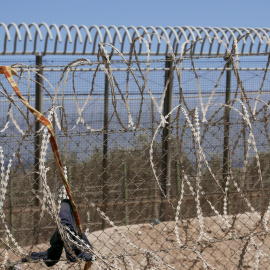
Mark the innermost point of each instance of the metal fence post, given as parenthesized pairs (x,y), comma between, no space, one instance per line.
(38,137)
(11,206)
(226,150)
(156,190)
(126,194)
(178,179)
(166,141)
(105,174)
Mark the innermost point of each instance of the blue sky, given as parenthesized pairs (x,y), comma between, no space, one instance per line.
(215,13)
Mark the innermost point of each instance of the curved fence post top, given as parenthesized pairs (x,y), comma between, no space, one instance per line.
(83,40)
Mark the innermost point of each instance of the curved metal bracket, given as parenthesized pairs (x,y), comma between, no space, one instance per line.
(202,38)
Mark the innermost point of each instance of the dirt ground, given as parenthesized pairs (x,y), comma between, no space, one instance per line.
(149,246)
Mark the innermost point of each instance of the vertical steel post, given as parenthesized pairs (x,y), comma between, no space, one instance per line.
(38,137)
(11,205)
(55,169)
(126,194)
(166,140)
(242,183)
(105,174)
(178,166)
(226,150)
(155,186)
(178,179)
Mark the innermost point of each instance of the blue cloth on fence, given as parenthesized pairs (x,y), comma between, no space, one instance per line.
(52,255)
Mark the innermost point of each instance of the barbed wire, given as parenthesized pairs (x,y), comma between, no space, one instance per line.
(195,120)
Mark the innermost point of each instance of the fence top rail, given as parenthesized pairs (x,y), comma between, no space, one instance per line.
(61,69)
(32,39)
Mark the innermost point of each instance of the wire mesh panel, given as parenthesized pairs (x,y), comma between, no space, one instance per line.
(167,164)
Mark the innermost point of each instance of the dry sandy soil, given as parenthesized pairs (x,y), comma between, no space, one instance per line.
(156,246)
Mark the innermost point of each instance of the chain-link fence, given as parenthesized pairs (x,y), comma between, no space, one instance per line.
(168,162)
